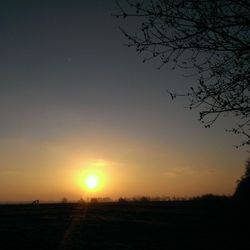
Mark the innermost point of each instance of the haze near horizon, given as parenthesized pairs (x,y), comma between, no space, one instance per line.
(74,100)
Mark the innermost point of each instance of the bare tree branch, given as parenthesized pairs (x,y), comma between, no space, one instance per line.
(210,37)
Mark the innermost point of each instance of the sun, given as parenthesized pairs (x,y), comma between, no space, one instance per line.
(91,178)
(91,181)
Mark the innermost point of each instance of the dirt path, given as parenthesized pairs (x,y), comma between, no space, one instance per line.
(77,218)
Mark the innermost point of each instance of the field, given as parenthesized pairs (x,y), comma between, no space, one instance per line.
(150,225)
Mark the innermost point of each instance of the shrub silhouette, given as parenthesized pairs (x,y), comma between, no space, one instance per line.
(122,200)
(64,200)
(242,192)
(35,202)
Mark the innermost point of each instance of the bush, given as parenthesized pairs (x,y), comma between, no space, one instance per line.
(242,192)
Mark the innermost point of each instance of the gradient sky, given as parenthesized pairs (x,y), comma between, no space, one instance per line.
(74,99)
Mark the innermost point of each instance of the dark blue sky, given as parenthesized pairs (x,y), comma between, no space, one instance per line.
(65,75)
(71,57)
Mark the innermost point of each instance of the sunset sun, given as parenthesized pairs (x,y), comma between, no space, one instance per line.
(91,181)
(92,177)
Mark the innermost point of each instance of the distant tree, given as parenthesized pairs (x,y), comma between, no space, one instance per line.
(81,201)
(211,38)
(94,200)
(105,199)
(211,198)
(122,200)
(35,202)
(242,191)
(156,198)
(144,199)
(64,200)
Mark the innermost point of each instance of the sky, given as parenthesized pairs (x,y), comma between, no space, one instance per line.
(75,101)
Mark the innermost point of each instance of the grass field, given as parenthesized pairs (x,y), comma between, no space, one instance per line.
(151,225)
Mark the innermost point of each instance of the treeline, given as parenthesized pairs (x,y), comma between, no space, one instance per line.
(148,199)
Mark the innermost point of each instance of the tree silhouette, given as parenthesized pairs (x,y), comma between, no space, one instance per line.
(64,200)
(210,38)
(243,188)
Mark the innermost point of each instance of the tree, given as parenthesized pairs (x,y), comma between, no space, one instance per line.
(242,191)
(210,38)
(64,200)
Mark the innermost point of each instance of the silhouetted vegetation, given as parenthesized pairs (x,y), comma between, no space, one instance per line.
(210,38)
(122,200)
(100,199)
(81,201)
(35,202)
(211,197)
(242,192)
(206,198)
(64,200)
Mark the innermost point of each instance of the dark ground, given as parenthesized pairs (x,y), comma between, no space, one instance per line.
(152,225)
